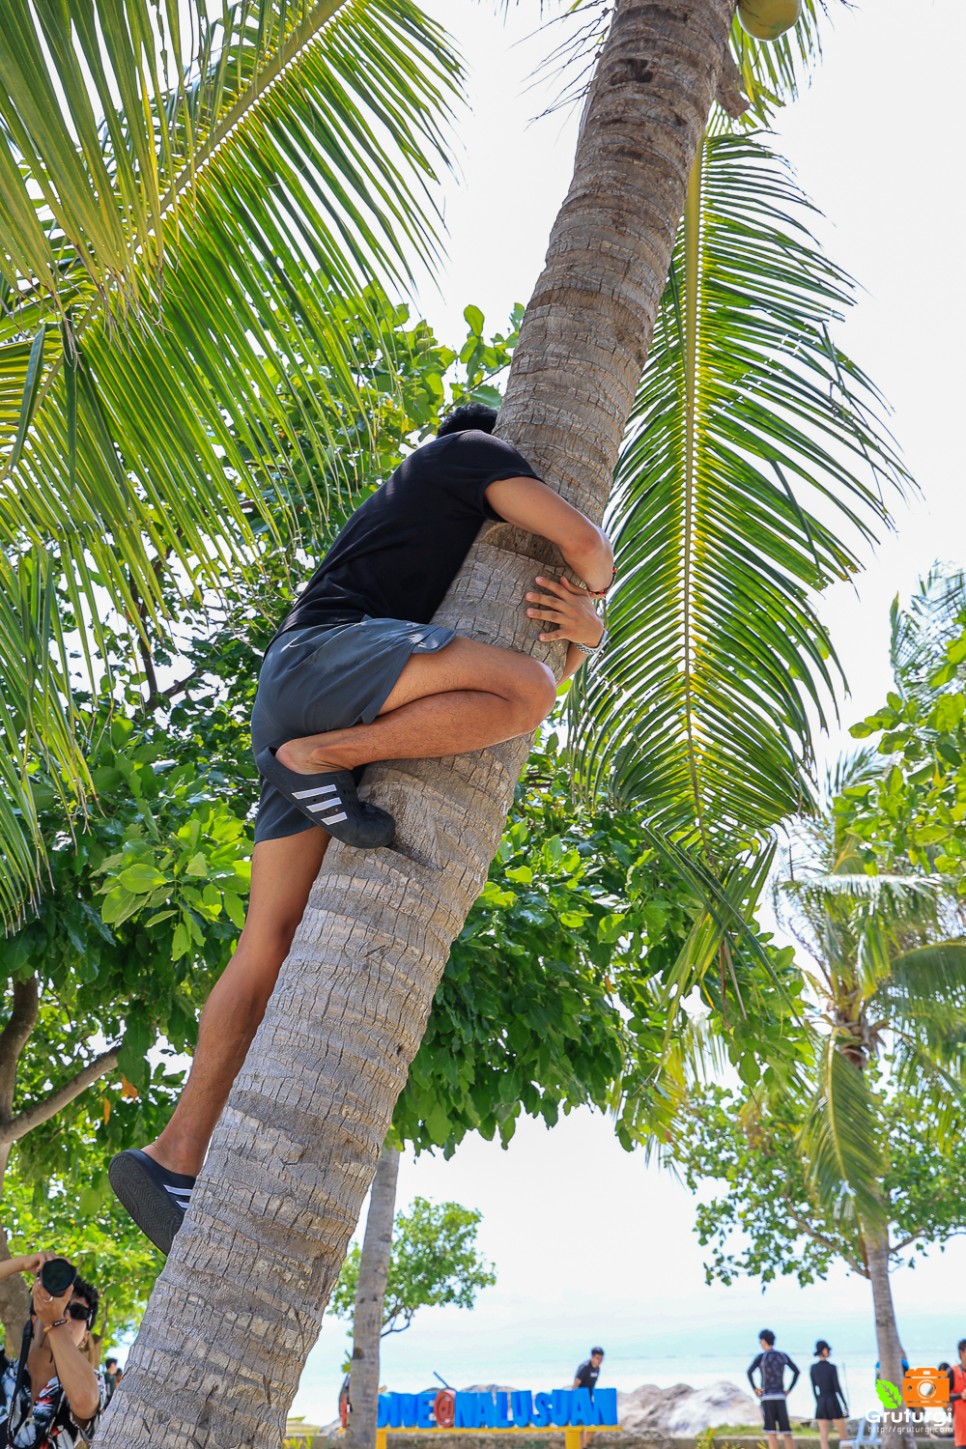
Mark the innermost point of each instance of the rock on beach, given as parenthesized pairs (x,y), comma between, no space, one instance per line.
(681,1412)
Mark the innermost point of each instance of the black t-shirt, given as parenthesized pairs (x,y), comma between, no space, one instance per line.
(587,1375)
(401,549)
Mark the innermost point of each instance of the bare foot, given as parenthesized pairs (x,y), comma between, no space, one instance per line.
(303,759)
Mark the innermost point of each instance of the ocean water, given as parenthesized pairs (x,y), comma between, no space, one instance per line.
(525,1363)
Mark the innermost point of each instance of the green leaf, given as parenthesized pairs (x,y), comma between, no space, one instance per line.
(141,878)
(474,320)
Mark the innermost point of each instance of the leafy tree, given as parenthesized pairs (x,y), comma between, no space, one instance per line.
(434,1263)
(547,1001)
(766,1220)
(73,1214)
(259,163)
(915,807)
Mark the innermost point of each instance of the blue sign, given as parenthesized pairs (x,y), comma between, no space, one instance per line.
(519,1409)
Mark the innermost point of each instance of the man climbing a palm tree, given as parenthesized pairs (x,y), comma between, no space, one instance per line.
(358,673)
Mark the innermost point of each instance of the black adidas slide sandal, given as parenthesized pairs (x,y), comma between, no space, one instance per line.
(330,800)
(154,1198)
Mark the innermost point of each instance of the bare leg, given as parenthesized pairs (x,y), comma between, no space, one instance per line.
(823,1427)
(789,1441)
(282,875)
(841,1429)
(772,1441)
(466,697)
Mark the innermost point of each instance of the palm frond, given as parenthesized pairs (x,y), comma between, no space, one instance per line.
(756,464)
(203,256)
(841,1142)
(112,114)
(921,631)
(724,925)
(933,976)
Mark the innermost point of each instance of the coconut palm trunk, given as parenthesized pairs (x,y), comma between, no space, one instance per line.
(13,1291)
(13,1039)
(897,1433)
(297,1147)
(370,1297)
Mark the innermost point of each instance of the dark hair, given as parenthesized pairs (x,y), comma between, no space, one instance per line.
(821,1346)
(961,1345)
(90,1296)
(83,1290)
(109,1361)
(768,1336)
(943,1367)
(470,415)
(597,1350)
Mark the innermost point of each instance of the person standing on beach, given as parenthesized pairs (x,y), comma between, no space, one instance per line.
(957,1396)
(829,1398)
(588,1372)
(586,1376)
(770,1364)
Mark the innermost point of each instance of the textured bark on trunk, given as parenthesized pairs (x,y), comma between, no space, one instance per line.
(370,1297)
(897,1433)
(13,1291)
(13,1038)
(296,1149)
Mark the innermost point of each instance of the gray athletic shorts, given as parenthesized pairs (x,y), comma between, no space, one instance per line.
(327,678)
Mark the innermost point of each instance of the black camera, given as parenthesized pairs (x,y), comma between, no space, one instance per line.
(58,1276)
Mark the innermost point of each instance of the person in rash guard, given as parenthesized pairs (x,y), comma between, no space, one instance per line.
(770,1365)
(358,672)
(829,1399)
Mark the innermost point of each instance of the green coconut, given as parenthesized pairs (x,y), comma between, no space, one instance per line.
(768,19)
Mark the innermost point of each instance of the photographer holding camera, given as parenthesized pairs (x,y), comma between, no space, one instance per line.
(50,1396)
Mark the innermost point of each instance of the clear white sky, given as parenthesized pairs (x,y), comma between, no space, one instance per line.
(589,1243)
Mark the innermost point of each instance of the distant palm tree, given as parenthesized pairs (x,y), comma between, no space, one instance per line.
(888,980)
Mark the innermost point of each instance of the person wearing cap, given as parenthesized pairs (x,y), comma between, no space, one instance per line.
(829,1399)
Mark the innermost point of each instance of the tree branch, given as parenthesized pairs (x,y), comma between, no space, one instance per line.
(181,685)
(144,649)
(14,1037)
(17,1127)
(817,1237)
